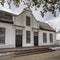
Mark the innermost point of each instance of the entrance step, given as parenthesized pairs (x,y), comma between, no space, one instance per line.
(31,51)
(25,51)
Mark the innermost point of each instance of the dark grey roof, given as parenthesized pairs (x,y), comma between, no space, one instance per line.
(5,17)
(46,26)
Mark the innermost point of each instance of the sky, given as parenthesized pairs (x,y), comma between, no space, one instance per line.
(54,21)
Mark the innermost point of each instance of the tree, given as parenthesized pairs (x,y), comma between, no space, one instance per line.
(48,5)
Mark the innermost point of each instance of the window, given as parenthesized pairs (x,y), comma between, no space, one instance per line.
(27,36)
(19,32)
(2,35)
(35,33)
(44,38)
(27,21)
(51,38)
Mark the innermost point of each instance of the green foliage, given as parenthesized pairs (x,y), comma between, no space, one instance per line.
(48,5)
(16,2)
(2,2)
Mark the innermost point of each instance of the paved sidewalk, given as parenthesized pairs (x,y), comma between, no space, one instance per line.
(55,55)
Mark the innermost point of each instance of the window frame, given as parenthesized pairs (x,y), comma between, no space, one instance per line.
(28,37)
(2,35)
(19,32)
(35,33)
(51,37)
(28,23)
(44,37)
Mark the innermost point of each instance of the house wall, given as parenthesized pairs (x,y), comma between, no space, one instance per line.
(20,20)
(20,23)
(9,36)
(40,38)
(48,41)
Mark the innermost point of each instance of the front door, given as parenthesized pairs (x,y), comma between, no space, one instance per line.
(18,38)
(35,38)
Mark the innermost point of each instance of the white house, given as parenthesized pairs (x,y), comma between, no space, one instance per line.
(24,30)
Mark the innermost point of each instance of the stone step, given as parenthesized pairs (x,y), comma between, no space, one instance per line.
(20,49)
(31,51)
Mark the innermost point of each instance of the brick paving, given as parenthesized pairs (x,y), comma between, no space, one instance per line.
(55,55)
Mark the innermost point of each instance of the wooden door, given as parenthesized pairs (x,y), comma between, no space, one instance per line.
(18,38)
(35,38)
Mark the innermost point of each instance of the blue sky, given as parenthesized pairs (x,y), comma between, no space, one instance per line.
(55,21)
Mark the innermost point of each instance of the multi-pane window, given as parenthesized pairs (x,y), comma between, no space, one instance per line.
(2,35)
(35,33)
(27,36)
(44,38)
(51,37)
(27,21)
(19,32)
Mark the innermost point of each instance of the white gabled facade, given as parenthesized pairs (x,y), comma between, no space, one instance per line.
(19,23)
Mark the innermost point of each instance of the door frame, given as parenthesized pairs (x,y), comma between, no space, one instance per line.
(37,40)
(15,37)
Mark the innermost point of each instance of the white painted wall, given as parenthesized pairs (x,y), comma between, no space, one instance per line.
(48,41)
(24,39)
(9,36)
(21,20)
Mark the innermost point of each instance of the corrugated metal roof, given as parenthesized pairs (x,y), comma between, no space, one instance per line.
(46,26)
(5,17)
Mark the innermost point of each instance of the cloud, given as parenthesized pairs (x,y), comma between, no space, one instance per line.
(55,22)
